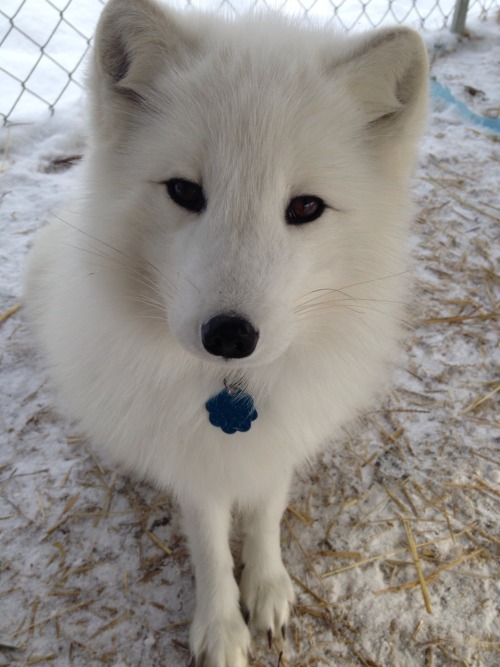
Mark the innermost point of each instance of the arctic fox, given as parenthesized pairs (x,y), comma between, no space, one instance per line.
(228,290)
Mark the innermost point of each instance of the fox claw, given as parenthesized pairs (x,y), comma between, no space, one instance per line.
(245,613)
(198,663)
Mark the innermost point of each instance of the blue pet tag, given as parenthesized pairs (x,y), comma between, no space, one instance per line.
(231,410)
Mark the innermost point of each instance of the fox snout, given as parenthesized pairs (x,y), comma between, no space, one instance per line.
(229,336)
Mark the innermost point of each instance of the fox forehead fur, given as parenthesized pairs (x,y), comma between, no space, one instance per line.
(255,111)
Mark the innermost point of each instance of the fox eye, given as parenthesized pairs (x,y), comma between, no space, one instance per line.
(187,194)
(304,209)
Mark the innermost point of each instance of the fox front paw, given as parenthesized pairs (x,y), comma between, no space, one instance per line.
(268,599)
(220,642)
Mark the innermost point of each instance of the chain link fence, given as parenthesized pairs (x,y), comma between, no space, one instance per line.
(44,43)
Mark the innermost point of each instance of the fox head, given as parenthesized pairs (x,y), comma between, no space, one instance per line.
(256,174)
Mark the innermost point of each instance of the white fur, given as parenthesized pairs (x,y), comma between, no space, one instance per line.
(258,110)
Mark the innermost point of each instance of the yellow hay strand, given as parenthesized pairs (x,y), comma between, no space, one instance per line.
(460,318)
(306,555)
(159,543)
(418,627)
(9,312)
(396,552)
(356,555)
(301,517)
(312,593)
(70,504)
(112,624)
(418,566)
(432,576)
(394,499)
(479,401)
(36,660)
(52,617)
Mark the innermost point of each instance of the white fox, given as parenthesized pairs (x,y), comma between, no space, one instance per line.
(228,290)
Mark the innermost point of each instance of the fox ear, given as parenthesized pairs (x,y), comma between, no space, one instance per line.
(387,74)
(135,40)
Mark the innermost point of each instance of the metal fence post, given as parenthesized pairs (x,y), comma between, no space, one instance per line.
(459,16)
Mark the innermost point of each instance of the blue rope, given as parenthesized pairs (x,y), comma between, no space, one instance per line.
(443,93)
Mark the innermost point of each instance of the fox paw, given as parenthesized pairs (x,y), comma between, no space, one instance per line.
(220,642)
(268,599)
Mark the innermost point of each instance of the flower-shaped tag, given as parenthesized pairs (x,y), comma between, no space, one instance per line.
(231,410)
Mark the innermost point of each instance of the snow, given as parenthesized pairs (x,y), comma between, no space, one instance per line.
(87,577)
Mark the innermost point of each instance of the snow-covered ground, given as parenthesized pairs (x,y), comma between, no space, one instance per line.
(93,566)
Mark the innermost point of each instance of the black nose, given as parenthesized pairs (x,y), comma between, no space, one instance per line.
(229,336)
